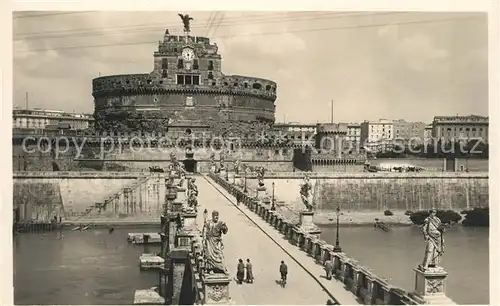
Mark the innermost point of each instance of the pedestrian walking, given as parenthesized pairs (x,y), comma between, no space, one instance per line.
(329,269)
(283,272)
(239,198)
(240,274)
(249,272)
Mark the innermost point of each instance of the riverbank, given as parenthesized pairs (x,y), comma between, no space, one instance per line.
(323,218)
(361,218)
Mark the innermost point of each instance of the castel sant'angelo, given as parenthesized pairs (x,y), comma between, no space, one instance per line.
(187,89)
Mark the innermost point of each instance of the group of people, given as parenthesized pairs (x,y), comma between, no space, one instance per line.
(240,274)
(242,267)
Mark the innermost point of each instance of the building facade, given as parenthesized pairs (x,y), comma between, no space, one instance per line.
(405,131)
(457,128)
(372,132)
(353,133)
(186,87)
(41,119)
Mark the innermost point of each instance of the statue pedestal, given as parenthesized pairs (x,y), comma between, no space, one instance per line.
(212,169)
(216,288)
(177,206)
(430,286)
(223,174)
(189,220)
(261,192)
(237,180)
(306,223)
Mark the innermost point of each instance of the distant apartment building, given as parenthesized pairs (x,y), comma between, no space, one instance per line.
(41,119)
(384,133)
(376,131)
(405,131)
(353,133)
(455,128)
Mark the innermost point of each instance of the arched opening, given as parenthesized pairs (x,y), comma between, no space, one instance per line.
(190,165)
(55,166)
(188,131)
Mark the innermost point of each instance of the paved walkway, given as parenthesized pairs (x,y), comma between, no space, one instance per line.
(246,240)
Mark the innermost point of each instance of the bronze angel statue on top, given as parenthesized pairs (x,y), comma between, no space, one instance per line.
(186,19)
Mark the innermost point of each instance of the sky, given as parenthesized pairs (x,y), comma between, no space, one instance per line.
(391,65)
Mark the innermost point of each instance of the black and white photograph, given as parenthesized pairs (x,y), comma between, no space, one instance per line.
(250,157)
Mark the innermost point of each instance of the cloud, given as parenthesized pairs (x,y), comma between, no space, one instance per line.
(396,71)
(416,51)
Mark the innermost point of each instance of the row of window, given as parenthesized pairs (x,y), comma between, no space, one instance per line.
(462,129)
(187,79)
(180,64)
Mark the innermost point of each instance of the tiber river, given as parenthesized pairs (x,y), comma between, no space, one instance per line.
(95,267)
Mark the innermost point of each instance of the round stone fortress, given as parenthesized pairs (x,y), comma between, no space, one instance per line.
(186,88)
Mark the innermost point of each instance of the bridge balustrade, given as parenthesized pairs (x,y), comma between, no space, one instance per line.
(357,278)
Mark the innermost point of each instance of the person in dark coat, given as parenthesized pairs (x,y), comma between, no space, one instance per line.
(283,272)
(240,274)
(239,198)
(249,271)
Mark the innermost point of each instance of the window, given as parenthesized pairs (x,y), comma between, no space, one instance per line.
(195,64)
(180,64)
(210,76)
(164,63)
(164,74)
(256,86)
(188,79)
(210,65)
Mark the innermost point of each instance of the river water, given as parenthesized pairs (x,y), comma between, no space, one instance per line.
(95,267)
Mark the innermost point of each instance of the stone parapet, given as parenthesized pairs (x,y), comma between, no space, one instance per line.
(375,175)
(357,278)
(144,84)
(80,174)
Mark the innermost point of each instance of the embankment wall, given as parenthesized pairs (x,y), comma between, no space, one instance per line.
(41,195)
(381,191)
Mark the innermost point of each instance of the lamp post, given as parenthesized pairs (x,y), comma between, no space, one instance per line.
(273,207)
(245,189)
(337,247)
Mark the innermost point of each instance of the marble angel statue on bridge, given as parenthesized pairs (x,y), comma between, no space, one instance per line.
(260,175)
(306,193)
(213,244)
(433,230)
(237,165)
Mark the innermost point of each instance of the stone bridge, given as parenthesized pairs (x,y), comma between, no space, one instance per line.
(259,232)
(258,229)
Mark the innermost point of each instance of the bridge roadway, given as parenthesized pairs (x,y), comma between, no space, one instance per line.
(250,237)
